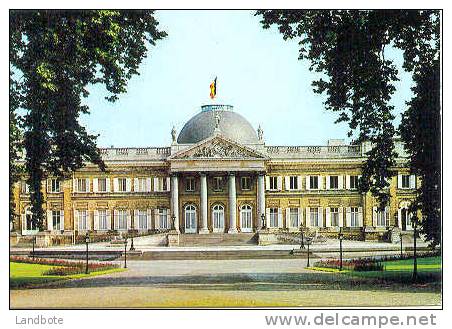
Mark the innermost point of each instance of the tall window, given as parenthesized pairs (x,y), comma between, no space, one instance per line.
(293,182)
(121,219)
(24,188)
(57,223)
(102,184)
(314,182)
(122,184)
(354,220)
(218,183)
(334,182)
(218,217)
(142,220)
(354,182)
(103,225)
(163,219)
(273,180)
(83,220)
(334,213)
(246,224)
(141,182)
(245,183)
(293,217)
(55,185)
(381,217)
(82,185)
(273,220)
(314,217)
(190,184)
(405,181)
(190,218)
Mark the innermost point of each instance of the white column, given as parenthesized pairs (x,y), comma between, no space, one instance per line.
(175,202)
(204,229)
(260,199)
(232,205)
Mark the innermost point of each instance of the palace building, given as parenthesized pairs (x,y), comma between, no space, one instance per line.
(219,176)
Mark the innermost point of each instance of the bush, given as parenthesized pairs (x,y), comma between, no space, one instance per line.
(360,265)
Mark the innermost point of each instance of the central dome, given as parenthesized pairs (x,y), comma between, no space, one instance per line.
(230,124)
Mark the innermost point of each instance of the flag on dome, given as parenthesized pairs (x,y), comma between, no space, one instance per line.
(213,88)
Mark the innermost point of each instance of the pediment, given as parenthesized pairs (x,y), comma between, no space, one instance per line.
(218,147)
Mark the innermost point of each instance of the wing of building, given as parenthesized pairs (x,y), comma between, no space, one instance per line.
(219,176)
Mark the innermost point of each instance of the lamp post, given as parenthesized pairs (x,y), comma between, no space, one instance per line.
(86,242)
(414,221)
(125,252)
(308,242)
(264,221)
(302,236)
(132,248)
(401,245)
(341,237)
(33,242)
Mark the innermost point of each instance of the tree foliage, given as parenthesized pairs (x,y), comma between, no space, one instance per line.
(55,56)
(348,48)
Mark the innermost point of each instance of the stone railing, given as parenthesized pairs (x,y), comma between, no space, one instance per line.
(216,107)
(315,151)
(144,153)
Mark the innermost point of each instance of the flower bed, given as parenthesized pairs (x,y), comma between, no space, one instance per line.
(359,265)
(64,267)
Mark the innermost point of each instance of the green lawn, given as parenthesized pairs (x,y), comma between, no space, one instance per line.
(24,275)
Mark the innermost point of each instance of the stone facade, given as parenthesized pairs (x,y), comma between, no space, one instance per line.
(222,185)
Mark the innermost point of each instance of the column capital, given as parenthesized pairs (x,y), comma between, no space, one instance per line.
(232,173)
(202,173)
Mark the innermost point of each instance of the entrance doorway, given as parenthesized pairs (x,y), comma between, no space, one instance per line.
(190,219)
(246,219)
(218,218)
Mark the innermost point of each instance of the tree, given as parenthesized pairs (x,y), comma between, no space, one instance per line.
(55,56)
(348,48)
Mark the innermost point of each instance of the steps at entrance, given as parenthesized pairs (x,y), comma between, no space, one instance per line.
(217,239)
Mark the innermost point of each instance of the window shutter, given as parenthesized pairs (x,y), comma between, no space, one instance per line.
(328,217)
(320,182)
(107,184)
(327,182)
(135,185)
(88,219)
(95,185)
(267,183)
(88,187)
(24,222)
(280,223)
(96,219)
(48,185)
(413,181)
(299,182)
(115,218)
(267,216)
(321,217)
(108,219)
(149,219)
(308,182)
(115,189)
(156,184)
(308,217)
(288,223)
(156,218)
(129,220)
(128,185)
(287,182)
(62,226)
(341,216)
(76,220)
(74,185)
(387,213)
(348,217)
(148,185)
(279,183)
(49,220)
(399,181)
(168,184)
(135,219)
(360,217)
(347,182)
(300,216)
(340,179)
(374,216)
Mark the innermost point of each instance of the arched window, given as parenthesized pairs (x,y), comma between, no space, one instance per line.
(246,218)
(190,218)
(218,218)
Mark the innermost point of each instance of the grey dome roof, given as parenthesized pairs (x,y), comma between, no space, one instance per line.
(231,125)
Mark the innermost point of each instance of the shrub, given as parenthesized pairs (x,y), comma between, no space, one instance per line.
(361,264)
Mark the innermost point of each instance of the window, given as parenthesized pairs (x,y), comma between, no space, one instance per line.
(246,224)
(218,218)
(293,182)
(273,220)
(334,182)
(218,183)
(381,217)
(314,182)
(121,219)
(141,184)
(57,223)
(353,182)
(161,184)
(405,181)
(190,184)
(54,185)
(122,184)
(83,224)
(103,218)
(354,220)
(82,184)
(24,188)
(294,220)
(314,217)
(163,219)
(245,183)
(102,185)
(142,218)
(334,213)
(190,219)
(273,180)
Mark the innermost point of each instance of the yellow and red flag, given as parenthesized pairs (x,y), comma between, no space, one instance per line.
(213,88)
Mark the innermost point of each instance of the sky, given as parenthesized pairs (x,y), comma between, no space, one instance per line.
(257,72)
